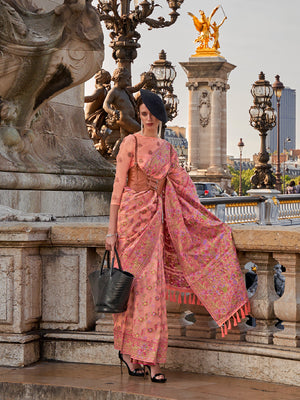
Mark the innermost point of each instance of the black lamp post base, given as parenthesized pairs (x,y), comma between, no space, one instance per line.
(263,177)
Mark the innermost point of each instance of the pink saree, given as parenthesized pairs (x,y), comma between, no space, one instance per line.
(174,247)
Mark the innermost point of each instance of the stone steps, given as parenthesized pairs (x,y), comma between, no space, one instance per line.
(69,381)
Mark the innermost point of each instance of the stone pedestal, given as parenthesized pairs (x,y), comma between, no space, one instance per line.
(105,324)
(19,350)
(207,134)
(48,162)
(44,270)
(57,170)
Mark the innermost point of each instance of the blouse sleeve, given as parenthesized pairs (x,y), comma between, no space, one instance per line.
(124,160)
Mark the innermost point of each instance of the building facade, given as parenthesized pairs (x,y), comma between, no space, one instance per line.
(287,121)
(179,142)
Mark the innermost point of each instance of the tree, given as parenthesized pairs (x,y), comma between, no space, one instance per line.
(235,180)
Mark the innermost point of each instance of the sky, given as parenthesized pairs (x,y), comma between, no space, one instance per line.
(258,35)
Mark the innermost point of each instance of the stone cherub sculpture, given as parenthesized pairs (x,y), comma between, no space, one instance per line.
(111,113)
(39,56)
(95,114)
(207,32)
(120,105)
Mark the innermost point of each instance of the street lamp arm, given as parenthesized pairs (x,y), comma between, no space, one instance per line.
(123,21)
(161,22)
(105,9)
(110,19)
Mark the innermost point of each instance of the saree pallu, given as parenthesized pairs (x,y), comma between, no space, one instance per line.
(173,243)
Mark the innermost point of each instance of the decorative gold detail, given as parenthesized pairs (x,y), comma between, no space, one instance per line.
(208,32)
(209,206)
(241,204)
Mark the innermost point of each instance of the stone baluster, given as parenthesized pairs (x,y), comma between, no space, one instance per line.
(262,302)
(175,327)
(204,327)
(238,332)
(287,307)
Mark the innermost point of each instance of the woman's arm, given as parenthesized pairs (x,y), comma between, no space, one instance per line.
(111,238)
(124,158)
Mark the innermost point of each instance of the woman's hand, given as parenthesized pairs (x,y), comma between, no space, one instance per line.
(111,240)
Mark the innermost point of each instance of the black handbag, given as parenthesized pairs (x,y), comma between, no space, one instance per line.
(110,286)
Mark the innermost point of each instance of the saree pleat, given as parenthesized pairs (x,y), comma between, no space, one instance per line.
(141,330)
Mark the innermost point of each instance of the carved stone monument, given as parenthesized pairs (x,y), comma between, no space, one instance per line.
(47,160)
(207,74)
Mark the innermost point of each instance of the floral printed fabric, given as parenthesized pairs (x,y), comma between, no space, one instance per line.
(173,242)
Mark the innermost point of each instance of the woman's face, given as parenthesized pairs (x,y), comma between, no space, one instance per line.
(148,119)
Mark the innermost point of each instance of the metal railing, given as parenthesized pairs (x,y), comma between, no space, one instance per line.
(276,210)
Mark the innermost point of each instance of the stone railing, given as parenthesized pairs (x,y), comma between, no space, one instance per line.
(277,210)
(46,308)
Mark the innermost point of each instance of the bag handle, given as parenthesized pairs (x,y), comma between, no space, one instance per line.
(118,260)
(107,256)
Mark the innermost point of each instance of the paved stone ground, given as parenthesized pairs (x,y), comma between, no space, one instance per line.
(66,381)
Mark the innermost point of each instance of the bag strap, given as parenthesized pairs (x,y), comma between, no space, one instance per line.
(118,260)
(136,149)
(107,256)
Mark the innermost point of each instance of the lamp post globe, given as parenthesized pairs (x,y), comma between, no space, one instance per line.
(165,74)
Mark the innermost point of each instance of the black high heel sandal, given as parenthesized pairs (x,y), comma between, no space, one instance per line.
(140,372)
(155,377)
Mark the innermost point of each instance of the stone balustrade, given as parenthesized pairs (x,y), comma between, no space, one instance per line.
(46,308)
(278,210)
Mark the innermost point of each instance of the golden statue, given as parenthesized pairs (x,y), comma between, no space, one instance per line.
(207,32)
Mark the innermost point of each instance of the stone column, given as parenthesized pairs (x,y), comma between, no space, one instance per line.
(207,116)
(287,308)
(216,128)
(193,127)
(224,127)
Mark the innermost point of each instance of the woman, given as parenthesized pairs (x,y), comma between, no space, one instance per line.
(291,188)
(168,241)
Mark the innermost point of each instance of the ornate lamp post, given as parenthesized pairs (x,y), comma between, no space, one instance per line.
(262,118)
(278,88)
(165,74)
(122,22)
(240,146)
(287,140)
